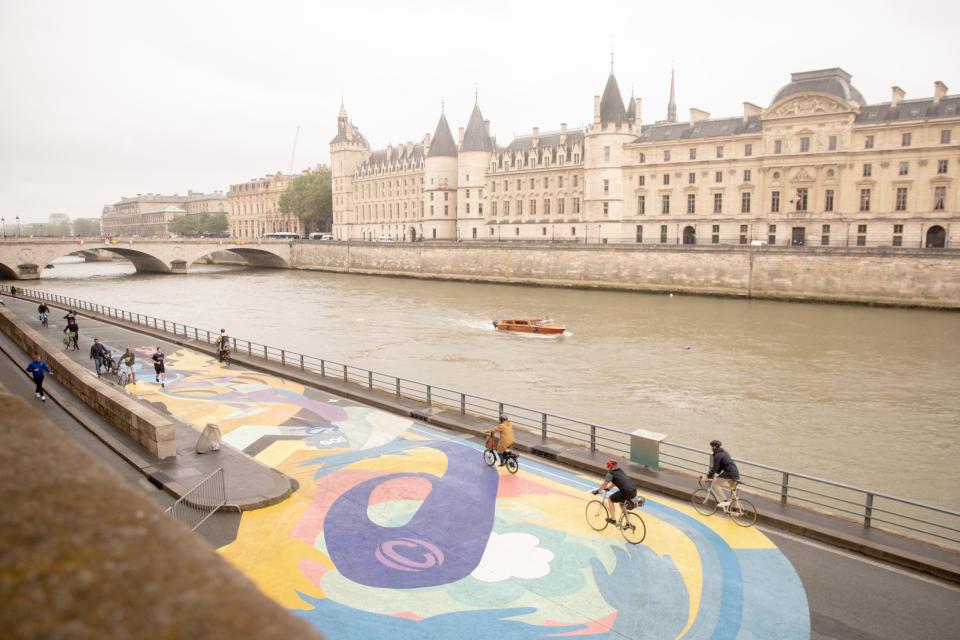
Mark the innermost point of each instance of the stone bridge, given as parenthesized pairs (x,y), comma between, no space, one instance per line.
(26,258)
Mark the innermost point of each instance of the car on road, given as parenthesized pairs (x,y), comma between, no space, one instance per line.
(385,238)
(317,235)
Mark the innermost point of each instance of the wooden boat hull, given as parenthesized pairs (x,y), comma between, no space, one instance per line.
(528,326)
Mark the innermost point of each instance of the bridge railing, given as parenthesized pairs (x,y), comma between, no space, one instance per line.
(866,506)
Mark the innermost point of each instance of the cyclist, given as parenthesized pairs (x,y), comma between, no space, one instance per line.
(99,355)
(126,365)
(505,439)
(626,489)
(223,345)
(44,312)
(72,331)
(722,466)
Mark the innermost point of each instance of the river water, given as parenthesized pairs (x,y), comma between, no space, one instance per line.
(863,395)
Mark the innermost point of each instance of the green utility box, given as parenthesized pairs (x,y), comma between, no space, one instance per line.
(645,447)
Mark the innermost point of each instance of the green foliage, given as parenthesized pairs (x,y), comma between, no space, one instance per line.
(86,227)
(195,225)
(310,198)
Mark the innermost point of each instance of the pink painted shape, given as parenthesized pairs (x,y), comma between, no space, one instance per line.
(408,615)
(401,489)
(516,486)
(602,625)
(313,571)
(330,488)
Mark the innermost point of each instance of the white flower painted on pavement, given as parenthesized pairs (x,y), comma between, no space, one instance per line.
(513,555)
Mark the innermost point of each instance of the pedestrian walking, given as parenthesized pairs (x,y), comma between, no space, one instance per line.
(159,368)
(37,369)
(99,354)
(13,291)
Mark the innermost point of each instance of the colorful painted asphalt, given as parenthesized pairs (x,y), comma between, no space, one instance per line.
(399,530)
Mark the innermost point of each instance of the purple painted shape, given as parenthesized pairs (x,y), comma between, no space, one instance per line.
(442,543)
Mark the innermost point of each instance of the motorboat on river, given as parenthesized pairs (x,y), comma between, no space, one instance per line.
(530,325)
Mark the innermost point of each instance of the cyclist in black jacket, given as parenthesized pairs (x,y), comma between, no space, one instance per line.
(722,466)
(626,489)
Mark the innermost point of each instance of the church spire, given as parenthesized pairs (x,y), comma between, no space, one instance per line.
(672,105)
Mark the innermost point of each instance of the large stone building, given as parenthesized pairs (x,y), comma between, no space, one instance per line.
(818,166)
(254,207)
(148,215)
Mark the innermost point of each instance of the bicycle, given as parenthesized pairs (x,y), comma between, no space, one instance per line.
(706,501)
(224,356)
(45,319)
(631,525)
(510,459)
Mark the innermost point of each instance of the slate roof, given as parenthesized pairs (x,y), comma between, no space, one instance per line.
(475,138)
(668,132)
(948,107)
(552,139)
(632,108)
(442,142)
(342,136)
(835,82)
(611,104)
(395,154)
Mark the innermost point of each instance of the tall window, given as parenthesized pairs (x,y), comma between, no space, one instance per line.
(691,178)
(772,234)
(606,186)
(561,206)
(825,235)
(901,202)
(665,204)
(747,175)
(904,168)
(666,178)
(576,180)
(506,207)
(715,237)
(861,235)
(906,139)
(778,146)
(693,153)
(745,202)
(802,199)
(519,207)
(718,176)
(804,144)
(641,205)
(718,203)
(606,209)
(864,199)
(775,202)
(663,233)
(939,198)
(691,203)
(743,234)
(493,208)
(639,233)
(546,206)
(720,151)
(533,207)
(945,136)
(641,180)
(832,143)
(941,167)
(606,154)
(828,200)
(898,235)
(867,170)
(666,155)
(546,184)
(576,205)
(560,182)
(748,149)
(868,142)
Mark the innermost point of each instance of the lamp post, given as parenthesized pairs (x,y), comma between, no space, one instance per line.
(18,227)
(3,224)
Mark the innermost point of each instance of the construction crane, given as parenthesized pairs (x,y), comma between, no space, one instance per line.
(293,153)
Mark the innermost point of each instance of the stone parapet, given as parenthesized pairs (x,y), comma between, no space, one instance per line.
(84,555)
(149,428)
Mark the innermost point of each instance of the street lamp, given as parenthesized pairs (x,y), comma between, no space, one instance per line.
(18,227)
(3,224)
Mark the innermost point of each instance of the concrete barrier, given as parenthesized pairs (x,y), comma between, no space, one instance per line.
(85,555)
(149,428)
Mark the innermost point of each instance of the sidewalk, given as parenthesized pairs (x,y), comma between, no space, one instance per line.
(249,483)
(882,545)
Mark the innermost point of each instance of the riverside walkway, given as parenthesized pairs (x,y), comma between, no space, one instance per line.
(452,542)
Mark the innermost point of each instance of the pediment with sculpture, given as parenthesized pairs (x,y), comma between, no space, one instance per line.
(808,104)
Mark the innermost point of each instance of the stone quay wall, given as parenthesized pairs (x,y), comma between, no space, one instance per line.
(149,428)
(922,278)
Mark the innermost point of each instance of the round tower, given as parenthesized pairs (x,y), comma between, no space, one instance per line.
(603,192)
(440,185)
(474,160)
(347,151)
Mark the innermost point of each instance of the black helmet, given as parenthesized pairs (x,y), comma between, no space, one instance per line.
(503,417)
(715,443)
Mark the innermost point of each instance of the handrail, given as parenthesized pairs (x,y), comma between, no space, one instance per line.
(196,506)
(597,437)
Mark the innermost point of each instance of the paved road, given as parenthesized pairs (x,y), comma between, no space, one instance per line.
(293,548)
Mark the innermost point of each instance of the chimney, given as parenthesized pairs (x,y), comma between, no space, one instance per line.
(426,143)
(486,126)
(750,110)
(596,109)
(563,127)
(696,115)
(939,91)
(637,103)
(536,135)
(897,95)
(460,135)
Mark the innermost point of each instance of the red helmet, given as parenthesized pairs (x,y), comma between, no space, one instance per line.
(611,464)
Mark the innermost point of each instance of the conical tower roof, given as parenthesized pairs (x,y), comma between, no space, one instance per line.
(632,108)
(476,138)
(442,142)
(611,104)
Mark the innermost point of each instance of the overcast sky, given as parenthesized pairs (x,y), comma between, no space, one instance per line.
(100,100)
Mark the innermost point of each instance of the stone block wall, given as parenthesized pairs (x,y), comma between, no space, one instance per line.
(927,278)
(149,428)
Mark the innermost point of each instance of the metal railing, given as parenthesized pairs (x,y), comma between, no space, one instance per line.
(787,487)
(197,505)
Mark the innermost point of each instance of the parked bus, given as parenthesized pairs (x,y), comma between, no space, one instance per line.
(282,235)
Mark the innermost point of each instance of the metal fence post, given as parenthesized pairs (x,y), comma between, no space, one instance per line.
(323,368)
(593,438)
(868,511)
(429,396)
(499,411)
(301,362)
(397,381)
(283,357)
(463,404)
(784,487)
(345,373)
(543,426)
(369,379)
(265,352)
(208,337)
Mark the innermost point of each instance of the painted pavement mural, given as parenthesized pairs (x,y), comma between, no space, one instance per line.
(399,530)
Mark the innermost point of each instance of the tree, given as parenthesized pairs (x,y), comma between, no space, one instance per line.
(86,227)
(310,198)
(199,224)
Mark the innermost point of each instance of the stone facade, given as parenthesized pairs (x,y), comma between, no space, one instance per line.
(818,167)
(148,215)
(254,207)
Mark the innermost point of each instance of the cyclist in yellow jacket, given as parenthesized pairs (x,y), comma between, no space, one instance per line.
(506,438)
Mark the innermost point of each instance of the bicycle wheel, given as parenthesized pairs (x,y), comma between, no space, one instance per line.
(632,527)
(704,502)
(122,380)
(488,457)
(597,515)
(742,512)
(512,464)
